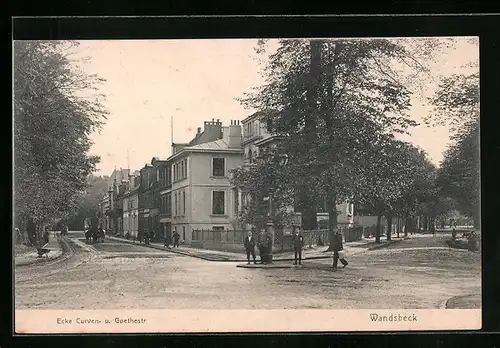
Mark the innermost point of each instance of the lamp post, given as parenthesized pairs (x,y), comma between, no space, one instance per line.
(270,228)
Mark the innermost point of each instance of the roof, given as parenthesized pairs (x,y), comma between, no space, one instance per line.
(257,114)
(212,145)
(217,145)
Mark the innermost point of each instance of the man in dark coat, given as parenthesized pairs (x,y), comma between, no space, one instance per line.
(176,239)
(249,244)
(337,246)
(167,241)
(298,244)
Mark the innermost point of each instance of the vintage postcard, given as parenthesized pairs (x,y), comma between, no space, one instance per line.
(247,185)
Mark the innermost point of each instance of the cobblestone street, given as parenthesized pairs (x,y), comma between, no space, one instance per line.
(415,273)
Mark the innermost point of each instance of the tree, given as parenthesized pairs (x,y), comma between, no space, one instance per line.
(52,124)
(89,200)
(459,174)
(327,99)
(255,183)
(456,103)
(393,178)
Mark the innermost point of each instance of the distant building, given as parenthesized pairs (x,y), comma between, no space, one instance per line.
(131,205)
(165,192)
(200,193)
(112,216)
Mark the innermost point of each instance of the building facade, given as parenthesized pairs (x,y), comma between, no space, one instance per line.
(112,217)
(165,191)
(146,202)
(201,193)
(130,207)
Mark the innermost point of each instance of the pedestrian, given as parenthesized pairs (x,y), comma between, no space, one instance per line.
(298,244)
(249,245)
(167,241)
(176,239)
(337,247)
(262,247)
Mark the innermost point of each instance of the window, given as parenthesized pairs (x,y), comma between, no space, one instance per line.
(218,202)
(218,167)
(183,202)
(218,228)
(250,156)
(157,174)
(183,233)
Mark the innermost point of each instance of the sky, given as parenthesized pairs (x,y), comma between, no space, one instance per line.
(149,82)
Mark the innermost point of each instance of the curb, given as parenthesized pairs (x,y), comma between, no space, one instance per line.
(40,261)
(264,266)
(209,258)
(444,304)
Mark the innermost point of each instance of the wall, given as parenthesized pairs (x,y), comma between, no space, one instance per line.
(200,167)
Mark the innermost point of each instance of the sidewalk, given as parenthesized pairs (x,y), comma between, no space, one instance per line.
(31,257)
(315,252)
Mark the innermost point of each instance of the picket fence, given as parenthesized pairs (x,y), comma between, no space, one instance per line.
(232,240)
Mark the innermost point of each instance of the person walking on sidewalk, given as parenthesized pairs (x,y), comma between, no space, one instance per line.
(250,247)
(167,241)
(337,247)
(298,244)
(176,239)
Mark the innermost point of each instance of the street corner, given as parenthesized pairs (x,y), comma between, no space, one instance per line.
(265,266)
(472,301)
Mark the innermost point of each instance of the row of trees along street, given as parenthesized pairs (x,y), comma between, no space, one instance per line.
(337,107)
(56,108)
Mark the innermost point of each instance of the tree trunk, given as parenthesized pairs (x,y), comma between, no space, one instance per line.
(398,226)
(308,201)
(389,226)
(378,228)
(406,224)
(332,219)
(31,231)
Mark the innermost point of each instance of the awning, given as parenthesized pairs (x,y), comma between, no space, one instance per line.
(165,220)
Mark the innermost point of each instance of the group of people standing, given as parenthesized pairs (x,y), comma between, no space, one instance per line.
(264,244)
(175,238)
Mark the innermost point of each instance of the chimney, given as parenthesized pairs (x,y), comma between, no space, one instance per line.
(234,136)
(198,130)
(225,134)
(212,131)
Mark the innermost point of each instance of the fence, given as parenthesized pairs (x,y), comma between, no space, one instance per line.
(232,240)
